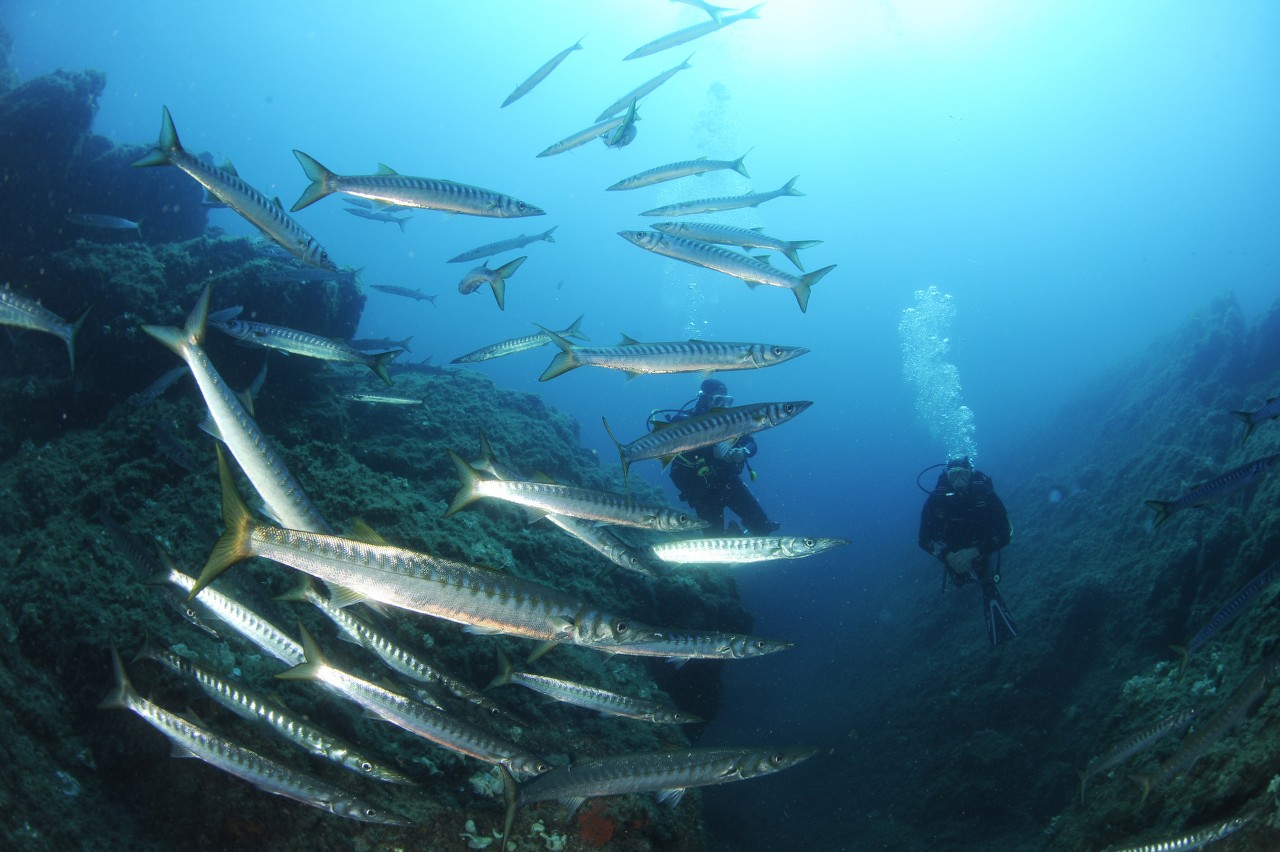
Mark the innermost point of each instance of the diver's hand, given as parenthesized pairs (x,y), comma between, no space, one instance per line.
(737,454)
(959,560)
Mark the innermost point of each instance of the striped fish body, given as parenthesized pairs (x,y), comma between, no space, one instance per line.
(600,700)
(265,469)
(688,34)
(686,356)
(1197,839)
(604,541)
(674,171)
(306,344)
(408,293)
(658,771)
(490,249)
(644,641)
(1215,489)
(21,312)
(191,740)
(254,708)
(541,74)
(267,215)
(391,187)
(729,202)
(582,137)
(712,427)
(709,232)
(733,263)
(382,399)
(739,550)
(1251,419)
(642,90)
(518,344)
(1238,603)
(1136,744)
(421,719)
(249,624)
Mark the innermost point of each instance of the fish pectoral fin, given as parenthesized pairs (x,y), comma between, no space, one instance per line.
(572,804)
(671,798)
(479,630)
(342,597)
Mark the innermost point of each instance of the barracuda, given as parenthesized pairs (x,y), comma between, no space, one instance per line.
(490,249)
(190,740)
(645,88)
(1197,839)
(253,707)
(550,498)
(1238,603)
(743,267)
(265,214)
(739,550)
(668,440)
(726,202)
(688,34)
(1136,744)
(1251,419)
(391,187)
(20,312)
(266,470)
(541,74)
(668,773)
(582,137)
(1229,483)
(590,697)
(414,716)
(686,356)
(674,171)
(677,646)
(495,278)
(306,344)
(709,232)
(520,344)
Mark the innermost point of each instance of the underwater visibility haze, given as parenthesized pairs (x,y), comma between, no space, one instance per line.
(792,258)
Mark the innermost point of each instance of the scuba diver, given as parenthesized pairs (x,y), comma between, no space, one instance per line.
(963,524)
(709,478)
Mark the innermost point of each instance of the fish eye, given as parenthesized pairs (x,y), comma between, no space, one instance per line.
(621,627)
(788,408)
(777,350)
(371,812)
(366,766)
(777,759)
(761,644)
(808,542)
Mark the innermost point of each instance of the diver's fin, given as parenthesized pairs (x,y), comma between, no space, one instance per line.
(1000,624)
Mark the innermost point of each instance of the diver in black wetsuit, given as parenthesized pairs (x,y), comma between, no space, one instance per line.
(963,524)
(710,478)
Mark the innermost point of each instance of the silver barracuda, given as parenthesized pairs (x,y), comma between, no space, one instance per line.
(727,202)
(702,5)
(520,344)
(103,221)
(267,215)
(541,74)
(301,275)
(490,249)
(271,479)
(1269,411)
(685,356)
(674,171)
(1238,603)
(406,292)
(688,34)
(667,773)
(1136,744)
(383,399)
(190,740)
(582,137)
(254,708)
(421,719)
(1215,489)
(378,216)
(392,652)
(389,186)
(668,440)
(735,264)
(743,549)
(366,344)
(495,278)
(21,312)
(1197,839)
(553,499)
(304,343)
(677,646)
(211,604)
(709,232)
(644,89)
(589,697)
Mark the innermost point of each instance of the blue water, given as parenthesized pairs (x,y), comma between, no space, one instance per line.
(1079,177)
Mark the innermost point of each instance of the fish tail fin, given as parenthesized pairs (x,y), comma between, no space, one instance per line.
(401,222)
(1162,508)
(380,362)
(177,339)
(313,660)
(509,795)
(575,329)
(167,146)
(233,545)
(791,251)
(404,344)
(319,177)
(1249,424)
(1084,779)
(806,283)
(740,167)
(468,493)
(1183,655)
(505,670)
(499,287)
(71,336)
(789,188)
(118,697)
(1145,783)
(622,455)
(546,235)
(564,361)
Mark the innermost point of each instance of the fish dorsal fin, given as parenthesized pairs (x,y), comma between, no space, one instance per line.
(671,798)
(363,532)
(230,168)
(544,478)
(342,597)
(628,340)
(384,169)
(277,202)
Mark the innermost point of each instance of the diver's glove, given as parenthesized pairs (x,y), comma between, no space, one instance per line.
(959,560)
